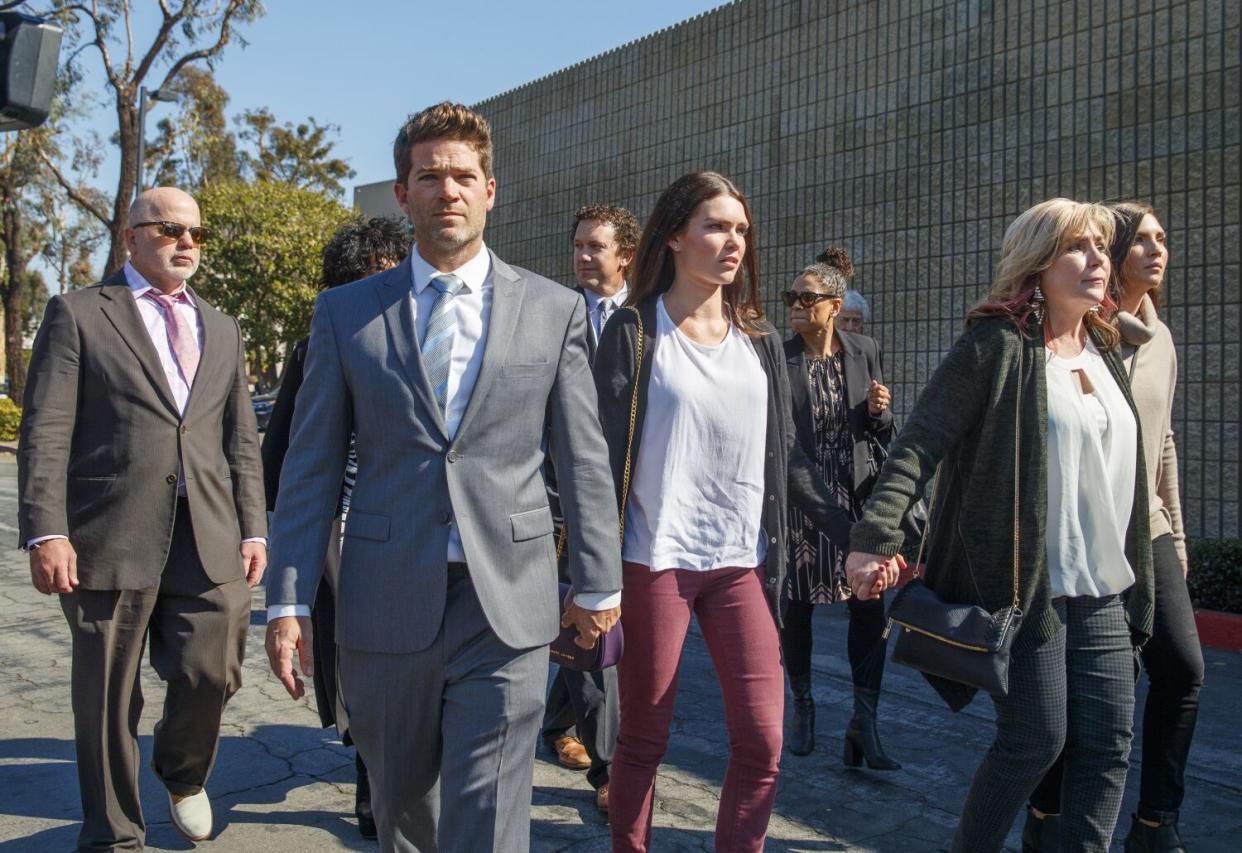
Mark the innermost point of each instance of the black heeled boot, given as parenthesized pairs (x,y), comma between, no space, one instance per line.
(801,739)
(1041,834)
(862,741)
(362,801)
(1154,839)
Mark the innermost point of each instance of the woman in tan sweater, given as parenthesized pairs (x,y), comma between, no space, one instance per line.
(1172,658)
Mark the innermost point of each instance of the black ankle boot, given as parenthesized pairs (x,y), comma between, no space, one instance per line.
(362,801)
(801,739)
(1154,839)
(1041,834)
(861,738)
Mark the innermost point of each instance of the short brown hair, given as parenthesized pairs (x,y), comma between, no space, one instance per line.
(445,120)
(624,224)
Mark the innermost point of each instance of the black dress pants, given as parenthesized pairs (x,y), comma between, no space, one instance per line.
(864,643)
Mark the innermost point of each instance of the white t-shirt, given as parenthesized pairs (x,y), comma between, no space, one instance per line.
(1092,456)
(696,499)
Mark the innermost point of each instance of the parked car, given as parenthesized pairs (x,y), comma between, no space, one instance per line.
(263,404)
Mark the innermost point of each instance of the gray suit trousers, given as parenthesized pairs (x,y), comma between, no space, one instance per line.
(448,734)
(197,633)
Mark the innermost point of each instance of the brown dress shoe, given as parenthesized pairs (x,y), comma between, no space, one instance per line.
(601,799)
(571,753)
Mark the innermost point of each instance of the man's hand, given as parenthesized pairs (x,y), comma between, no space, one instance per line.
(878,399)
(870,574)
(54,567)
(591,624)
(254,561)
(283,636)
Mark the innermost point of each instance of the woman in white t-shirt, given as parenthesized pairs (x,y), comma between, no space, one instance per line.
(694,402)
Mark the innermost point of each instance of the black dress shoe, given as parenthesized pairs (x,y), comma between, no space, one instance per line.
(362,802)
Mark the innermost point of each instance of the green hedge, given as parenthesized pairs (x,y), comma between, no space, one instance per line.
(10,419)
(1216,574)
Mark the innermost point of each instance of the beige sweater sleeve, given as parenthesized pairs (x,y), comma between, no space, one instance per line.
(1167,482)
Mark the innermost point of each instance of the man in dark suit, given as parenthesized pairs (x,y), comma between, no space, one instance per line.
(141,503)
(582,716)
(452,369)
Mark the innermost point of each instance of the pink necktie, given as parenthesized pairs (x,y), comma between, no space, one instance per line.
(181,333)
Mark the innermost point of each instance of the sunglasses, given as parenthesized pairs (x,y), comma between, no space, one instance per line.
(174,230)
(806,299)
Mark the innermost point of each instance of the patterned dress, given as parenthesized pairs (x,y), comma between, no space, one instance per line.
(817,575)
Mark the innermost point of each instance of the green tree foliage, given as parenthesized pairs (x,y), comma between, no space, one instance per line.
(298,154)
(263,264)
(187,33)
(195,147)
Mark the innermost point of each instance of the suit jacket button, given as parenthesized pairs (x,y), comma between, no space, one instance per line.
(452,456)
(171,479)
(184,429)
(445,518)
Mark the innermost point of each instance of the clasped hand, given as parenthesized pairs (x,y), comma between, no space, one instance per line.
(591,624)
(870,574)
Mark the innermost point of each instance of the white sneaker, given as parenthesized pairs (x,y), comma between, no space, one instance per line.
(192,816)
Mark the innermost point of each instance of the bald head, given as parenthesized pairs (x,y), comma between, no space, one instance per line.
(153,203)
(163,261)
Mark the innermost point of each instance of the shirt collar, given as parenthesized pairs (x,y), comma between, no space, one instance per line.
(138,285)
(618,299)
(474,273)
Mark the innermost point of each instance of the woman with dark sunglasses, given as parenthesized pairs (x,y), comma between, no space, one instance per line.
(841,411)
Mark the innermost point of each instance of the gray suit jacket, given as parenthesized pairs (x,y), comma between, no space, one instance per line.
(102,442)
(364,372)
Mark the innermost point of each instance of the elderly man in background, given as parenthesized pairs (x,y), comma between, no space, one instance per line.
(141,504)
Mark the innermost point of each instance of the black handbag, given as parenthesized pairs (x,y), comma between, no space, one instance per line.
(959,642)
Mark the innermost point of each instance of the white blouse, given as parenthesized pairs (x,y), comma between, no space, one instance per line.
(696,499)
(1092,456)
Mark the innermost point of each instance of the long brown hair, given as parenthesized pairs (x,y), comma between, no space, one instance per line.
(1032,243)
(1129,215)
(653,265)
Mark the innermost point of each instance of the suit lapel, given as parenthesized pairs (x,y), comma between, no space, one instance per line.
(507,291)
(857,377)
(394,290)
(121,310)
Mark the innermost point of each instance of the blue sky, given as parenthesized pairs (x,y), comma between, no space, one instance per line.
(365,65)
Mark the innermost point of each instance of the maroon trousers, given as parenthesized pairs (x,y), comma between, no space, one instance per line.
(742,639)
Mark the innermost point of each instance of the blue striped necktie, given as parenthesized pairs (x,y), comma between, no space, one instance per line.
(437,346)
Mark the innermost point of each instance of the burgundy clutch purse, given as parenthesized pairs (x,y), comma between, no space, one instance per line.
(564,651)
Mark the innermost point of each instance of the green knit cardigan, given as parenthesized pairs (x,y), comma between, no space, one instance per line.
(964,420)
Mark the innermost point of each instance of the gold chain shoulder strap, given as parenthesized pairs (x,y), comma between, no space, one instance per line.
(1017,460)
(629,441)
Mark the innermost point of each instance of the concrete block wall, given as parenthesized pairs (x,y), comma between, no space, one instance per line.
(912,132)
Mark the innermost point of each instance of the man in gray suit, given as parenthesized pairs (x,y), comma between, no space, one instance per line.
(452,369)
(141,503)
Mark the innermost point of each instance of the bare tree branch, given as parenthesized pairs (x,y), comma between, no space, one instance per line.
(157,46)
(74,192)
(226,33)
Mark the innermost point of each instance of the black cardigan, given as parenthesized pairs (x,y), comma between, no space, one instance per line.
(788,472)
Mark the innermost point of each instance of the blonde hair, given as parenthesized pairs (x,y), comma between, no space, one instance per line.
(1032,243)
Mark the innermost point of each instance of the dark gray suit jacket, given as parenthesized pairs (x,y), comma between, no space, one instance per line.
(102,442)
(364,372)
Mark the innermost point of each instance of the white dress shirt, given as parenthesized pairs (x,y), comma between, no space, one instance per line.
(153,320)
(595,315)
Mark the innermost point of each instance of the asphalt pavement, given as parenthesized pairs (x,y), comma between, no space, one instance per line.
(281,783)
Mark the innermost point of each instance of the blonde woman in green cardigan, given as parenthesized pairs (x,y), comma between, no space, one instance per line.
(1039,347)
(1173,658)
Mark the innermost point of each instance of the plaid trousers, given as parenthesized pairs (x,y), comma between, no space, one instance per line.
(1076,690)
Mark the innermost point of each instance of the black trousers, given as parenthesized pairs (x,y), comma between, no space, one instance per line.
(864,641)
(1174,663)
(586,702)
